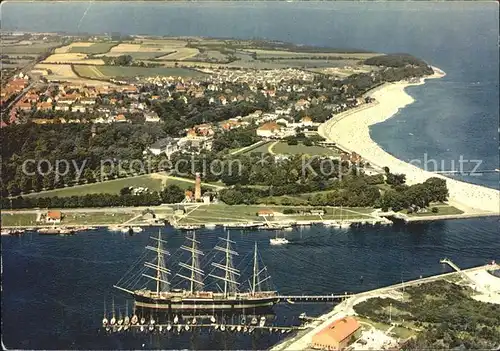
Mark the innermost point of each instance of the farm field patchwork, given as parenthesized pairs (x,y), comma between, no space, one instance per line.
(94,48)
(101,72)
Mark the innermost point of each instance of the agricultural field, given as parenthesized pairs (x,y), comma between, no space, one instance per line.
(103,72)
(57,72)
(181,54)
(148,49)
(94,48)
(265,54)
(29,49)
(73,58)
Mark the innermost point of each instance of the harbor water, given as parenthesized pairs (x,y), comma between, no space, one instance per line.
(54,287)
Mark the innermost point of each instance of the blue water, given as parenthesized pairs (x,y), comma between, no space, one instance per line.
(453,117)
(53,287)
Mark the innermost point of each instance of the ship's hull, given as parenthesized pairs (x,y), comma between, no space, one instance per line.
(200,304)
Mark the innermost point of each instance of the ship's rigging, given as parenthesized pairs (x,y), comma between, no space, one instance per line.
(215,271)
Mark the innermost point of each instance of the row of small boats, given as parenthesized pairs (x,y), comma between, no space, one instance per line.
(125,229)
(47,230)
(283,226)
(123,324)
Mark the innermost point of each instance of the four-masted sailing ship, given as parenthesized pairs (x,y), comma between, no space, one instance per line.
(195,296)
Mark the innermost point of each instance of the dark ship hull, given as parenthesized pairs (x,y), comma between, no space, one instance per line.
(204,304)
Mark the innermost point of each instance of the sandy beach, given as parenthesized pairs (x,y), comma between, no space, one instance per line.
(350,130)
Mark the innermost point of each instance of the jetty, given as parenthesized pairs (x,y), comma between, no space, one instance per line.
(303,338)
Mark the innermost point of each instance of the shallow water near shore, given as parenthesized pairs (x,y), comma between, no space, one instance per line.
(54,287)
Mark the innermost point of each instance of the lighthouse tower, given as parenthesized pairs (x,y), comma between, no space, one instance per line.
(197,188)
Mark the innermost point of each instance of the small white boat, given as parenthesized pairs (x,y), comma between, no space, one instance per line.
(137,229)
(114,228)
(104,322)
(222,327)
(253,321)
(134,319)
(333,224)
(238,328)
(160,328)
(112,321)
(212,319)
(142,328)
(124,230)
(169,327)
(210,225)
(176,319)
(278,241)
(262,321)
(143,320)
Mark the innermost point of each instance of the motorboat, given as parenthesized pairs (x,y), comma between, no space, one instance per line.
(278,241)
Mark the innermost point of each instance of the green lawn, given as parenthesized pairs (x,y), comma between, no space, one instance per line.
(284,148)
(70,218)
(114,186)
(130,72)
(262,148)
(106,187)
(18,219)
(97,48)
(226,213)
(443,209)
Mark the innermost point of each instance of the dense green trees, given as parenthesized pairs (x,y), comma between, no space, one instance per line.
(449,317)
(172,194)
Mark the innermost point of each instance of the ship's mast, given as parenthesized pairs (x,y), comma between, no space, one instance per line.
(158,273)
(159,267)
(195,278)
(256,284)
(230,284)
(255,268)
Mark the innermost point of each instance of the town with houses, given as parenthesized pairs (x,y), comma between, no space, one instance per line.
(43,103)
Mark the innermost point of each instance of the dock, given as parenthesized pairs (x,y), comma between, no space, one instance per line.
(303,338)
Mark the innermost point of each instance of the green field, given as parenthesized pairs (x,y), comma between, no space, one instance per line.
(225,213)
(114,186)
(103,72)
(27,49)
(97,48)
(143,55)
(284,148)
(443,209)
(106,187)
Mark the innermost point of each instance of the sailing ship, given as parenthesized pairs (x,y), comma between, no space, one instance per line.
(230,295)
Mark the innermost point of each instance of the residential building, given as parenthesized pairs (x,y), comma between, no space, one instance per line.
(165,146)
(53,217)
(267,130)
(151,116)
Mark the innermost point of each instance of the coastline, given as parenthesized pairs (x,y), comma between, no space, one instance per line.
(350,131)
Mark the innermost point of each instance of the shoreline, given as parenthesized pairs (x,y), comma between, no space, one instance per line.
(351,131)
